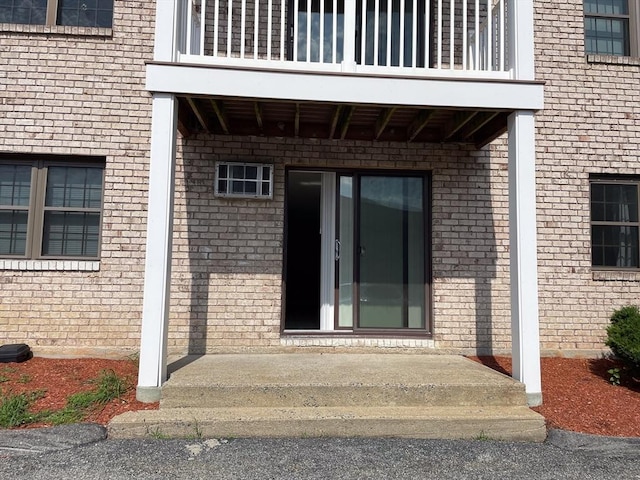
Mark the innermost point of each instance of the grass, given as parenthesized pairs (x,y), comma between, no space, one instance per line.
(14,408)
(197,430)
(157,434)
(4,371)
(482,436)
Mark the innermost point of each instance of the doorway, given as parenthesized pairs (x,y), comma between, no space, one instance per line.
(357,257)
(303,257)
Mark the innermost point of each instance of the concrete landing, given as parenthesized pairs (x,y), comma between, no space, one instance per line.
(315,380)
(327,394)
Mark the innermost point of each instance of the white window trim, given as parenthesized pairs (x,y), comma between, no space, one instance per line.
(50,265)
(259,181)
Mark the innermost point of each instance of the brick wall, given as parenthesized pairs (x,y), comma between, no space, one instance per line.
(81,92)
(228,253)
(591,124)
(76,91)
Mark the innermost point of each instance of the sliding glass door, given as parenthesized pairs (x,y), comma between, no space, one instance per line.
(381,257)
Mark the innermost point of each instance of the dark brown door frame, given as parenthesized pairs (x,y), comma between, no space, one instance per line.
(356,176)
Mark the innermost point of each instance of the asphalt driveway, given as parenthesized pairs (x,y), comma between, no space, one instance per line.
(81,452)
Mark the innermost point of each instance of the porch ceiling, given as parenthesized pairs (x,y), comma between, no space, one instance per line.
(233,116)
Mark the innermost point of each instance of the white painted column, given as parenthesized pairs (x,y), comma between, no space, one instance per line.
(157,274)
(525,336)
(521,48)
(167,31)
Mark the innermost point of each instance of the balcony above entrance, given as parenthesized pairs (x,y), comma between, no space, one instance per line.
(388,70)
(449,38)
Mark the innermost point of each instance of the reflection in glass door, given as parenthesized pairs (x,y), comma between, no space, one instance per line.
(344,252)
(381,263)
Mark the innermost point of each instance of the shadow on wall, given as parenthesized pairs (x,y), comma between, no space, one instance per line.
(230,250)
(464,242)
(233,247)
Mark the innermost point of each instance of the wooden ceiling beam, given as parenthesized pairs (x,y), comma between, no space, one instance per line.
(477,123)
(334,121)
(492,130)
(346,120)
(383,120)
(218,108)
(183,129)
(460,119)
(257,108)
(419,122)
(184,117)
(199,114)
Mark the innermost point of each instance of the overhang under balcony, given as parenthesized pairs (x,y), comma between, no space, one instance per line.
(400,70)
(230,116)
(336,105)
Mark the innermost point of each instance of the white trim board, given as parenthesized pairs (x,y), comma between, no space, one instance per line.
(332,88)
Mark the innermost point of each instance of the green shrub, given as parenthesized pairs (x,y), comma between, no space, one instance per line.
(623,336)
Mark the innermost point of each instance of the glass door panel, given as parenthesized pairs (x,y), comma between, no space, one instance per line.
(390,253)
(344,252)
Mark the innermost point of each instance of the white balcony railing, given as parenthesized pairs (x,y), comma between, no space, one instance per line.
(369,36)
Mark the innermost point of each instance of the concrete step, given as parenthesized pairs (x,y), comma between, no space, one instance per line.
(500,423)
(351,395)
(328,380)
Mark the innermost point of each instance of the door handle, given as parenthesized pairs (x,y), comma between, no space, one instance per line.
(361,250)
(337,249)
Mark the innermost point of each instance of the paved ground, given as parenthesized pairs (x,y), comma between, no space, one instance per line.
(81,452)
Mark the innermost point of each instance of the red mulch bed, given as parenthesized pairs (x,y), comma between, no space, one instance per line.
(577,396)
(576,392)
(59,378)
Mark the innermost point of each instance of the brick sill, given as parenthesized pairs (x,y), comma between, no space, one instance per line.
(50,265)
(56,30)
(613,60)
(615,276)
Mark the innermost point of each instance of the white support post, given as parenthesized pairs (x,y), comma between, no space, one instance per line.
(157,273)
(521,48)
(525,336)
(164,49)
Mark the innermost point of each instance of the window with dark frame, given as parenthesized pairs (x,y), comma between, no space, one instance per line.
(611,27)
(50,209)
(79,13)
(614,224)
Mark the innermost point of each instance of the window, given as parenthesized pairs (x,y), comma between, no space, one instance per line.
(614,223)
(247,180)
(50,209)
(81,13)
(611,27)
